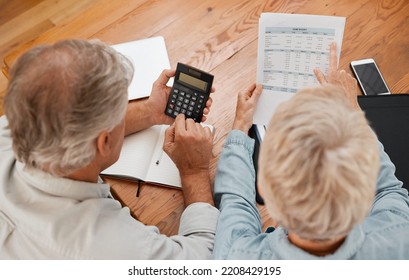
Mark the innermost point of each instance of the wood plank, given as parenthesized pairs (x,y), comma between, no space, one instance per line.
(367,36)
(69,12)
(160,206)
(28,34)
(195,44)
(31,17)
(401,86)
(99,15)
(11,9)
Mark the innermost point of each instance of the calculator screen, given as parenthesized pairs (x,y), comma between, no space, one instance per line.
(192,81)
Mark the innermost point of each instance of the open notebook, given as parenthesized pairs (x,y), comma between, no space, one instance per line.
(142,157)
(149,58)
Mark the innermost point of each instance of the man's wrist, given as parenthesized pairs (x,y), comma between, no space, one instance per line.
(196,187)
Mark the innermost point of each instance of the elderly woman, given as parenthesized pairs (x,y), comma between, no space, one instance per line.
(325,179)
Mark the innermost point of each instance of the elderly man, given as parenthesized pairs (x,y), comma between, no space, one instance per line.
(320,178)
(66,115)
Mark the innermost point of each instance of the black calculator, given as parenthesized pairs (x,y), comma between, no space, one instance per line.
(189,93)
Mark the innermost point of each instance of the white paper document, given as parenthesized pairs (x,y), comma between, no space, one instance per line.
(149,57)
(290,46)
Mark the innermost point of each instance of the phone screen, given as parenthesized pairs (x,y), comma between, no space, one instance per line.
(370,79)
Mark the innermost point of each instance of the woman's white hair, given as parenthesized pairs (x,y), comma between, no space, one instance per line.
(318,165)
(60,98)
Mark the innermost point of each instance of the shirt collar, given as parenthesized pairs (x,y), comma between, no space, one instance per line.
(286,250)
(63,187)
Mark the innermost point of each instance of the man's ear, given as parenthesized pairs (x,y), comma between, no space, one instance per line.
(103,144)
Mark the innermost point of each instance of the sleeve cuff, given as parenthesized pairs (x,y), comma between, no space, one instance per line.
(198,217)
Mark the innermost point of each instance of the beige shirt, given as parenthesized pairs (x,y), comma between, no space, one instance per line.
(46,217)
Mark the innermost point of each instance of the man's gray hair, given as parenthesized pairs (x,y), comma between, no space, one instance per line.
(60,98)
(318,165)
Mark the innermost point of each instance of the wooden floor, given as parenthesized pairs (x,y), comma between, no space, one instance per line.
(217,36)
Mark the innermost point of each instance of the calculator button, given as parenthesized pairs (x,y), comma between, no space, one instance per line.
(169,111)
(190,108)
(180,98)
(186,101)
(182,93)
(189,113)
(175,90)
(183,111)
(177,108)
(185,106)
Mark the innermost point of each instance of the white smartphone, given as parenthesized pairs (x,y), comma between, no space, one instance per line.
(369,77)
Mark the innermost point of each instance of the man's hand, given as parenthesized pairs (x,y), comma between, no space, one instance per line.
(159,97)
(189,145)
(246,105)
(339,78)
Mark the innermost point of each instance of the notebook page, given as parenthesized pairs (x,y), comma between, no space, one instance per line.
(149,58)
(162,170)
(136,154)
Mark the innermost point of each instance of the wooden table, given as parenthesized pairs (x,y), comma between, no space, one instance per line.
(221,37)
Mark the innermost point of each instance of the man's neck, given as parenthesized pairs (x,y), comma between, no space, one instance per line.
(317,248)
(88,173)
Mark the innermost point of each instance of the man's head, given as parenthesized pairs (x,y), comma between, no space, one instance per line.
(60,98)
(318,165)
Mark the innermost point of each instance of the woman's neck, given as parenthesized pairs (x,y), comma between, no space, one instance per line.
(317,248)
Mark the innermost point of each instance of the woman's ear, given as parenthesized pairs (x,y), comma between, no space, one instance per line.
(103,144)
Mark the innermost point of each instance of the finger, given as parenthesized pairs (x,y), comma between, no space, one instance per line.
(190,125)
(249,91)
(245,95)
(209,102)
(257,91)
(213,89)
(320,76)
(165,76)
(333,59)
(206,111)
(180,125)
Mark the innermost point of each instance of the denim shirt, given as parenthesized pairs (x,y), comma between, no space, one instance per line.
(384,234)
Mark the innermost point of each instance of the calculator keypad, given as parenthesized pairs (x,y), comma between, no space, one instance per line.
(186,101)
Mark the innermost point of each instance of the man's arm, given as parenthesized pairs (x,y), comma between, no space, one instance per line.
(234,191)
(189,145)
